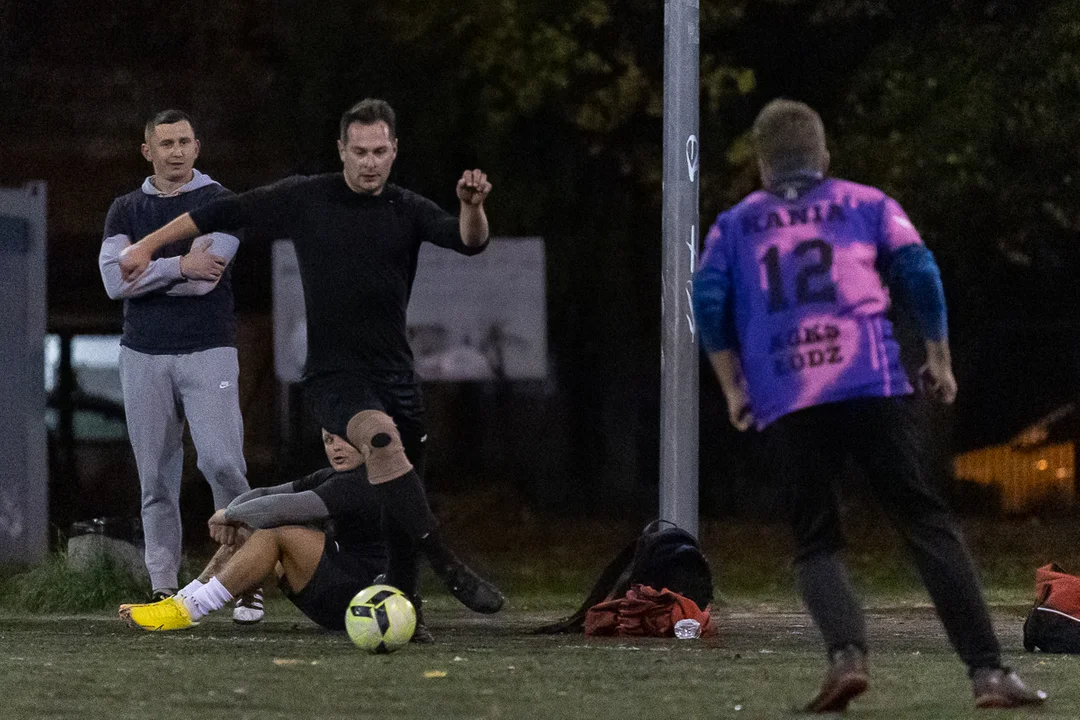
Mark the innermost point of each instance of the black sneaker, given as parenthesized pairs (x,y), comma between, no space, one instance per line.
(1002,688)
(421,635)
(162,594)
(845,680)
(471,590)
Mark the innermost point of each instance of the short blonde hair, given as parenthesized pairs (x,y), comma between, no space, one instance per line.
(789,136)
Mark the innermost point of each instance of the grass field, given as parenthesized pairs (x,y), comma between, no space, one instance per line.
(766,662)
(763,665)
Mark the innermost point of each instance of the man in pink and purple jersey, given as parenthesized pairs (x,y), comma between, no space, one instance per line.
(791,300)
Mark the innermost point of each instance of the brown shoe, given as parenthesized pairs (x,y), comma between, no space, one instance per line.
(1002,688)
(845,680)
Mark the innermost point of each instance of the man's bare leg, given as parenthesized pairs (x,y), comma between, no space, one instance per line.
(248,608)
(298,549)
(217,563)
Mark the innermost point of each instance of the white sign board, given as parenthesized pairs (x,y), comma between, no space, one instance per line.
(470,318)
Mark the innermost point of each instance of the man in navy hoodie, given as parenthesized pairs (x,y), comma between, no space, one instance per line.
(178,356)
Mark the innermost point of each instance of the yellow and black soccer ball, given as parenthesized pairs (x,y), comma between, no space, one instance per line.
(380,619)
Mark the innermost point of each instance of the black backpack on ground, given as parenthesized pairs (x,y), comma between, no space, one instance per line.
(1051,631)
(1052,625)
(669,558)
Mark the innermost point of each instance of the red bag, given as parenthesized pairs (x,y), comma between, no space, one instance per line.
(646,612)
(1058,590)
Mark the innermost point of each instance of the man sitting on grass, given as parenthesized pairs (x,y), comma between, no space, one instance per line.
(320,570)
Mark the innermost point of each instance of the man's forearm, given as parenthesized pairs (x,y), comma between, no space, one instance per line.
(182,228)
(161,274)
(728,369)
(221,244)
(473,224)
(938,351)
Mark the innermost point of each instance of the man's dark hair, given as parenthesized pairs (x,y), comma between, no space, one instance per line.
(167,117)
(368,112)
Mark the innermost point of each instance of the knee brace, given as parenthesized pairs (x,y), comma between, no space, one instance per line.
(379,442)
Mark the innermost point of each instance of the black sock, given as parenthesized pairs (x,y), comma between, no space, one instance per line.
(404,501)
(402,570)
(438,553)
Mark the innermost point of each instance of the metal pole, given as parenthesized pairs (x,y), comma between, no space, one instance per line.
(679,350)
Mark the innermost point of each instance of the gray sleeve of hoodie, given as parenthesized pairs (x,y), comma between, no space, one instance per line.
(159,274)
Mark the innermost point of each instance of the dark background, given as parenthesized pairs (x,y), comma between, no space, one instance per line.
(968,112)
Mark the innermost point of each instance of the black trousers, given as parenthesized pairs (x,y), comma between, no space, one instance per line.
(810,449)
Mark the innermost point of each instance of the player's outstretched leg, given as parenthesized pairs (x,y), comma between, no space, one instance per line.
(404,499)
(402,494)
(950,578)
(473,591)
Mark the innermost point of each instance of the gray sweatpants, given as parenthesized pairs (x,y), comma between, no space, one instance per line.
(160,391)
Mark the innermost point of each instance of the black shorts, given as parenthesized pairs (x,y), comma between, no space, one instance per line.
(335,397)
(337,579)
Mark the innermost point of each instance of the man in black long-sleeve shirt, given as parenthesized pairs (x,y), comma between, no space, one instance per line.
(357,239)
(321,532)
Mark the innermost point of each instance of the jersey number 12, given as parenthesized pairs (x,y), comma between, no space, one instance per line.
(813,283)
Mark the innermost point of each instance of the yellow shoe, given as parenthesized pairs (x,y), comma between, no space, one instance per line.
(159,595)
(167,614)
(125,610)
(128,606)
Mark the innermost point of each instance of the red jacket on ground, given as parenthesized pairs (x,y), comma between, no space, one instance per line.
(646,612)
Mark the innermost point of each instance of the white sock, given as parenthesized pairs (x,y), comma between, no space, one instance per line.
(189,589)
(210,597)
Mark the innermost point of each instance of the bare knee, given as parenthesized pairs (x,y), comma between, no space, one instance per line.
(270,537)
(376,436)
(291,539)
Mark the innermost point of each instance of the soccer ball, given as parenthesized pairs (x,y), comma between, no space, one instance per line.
(380,619)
